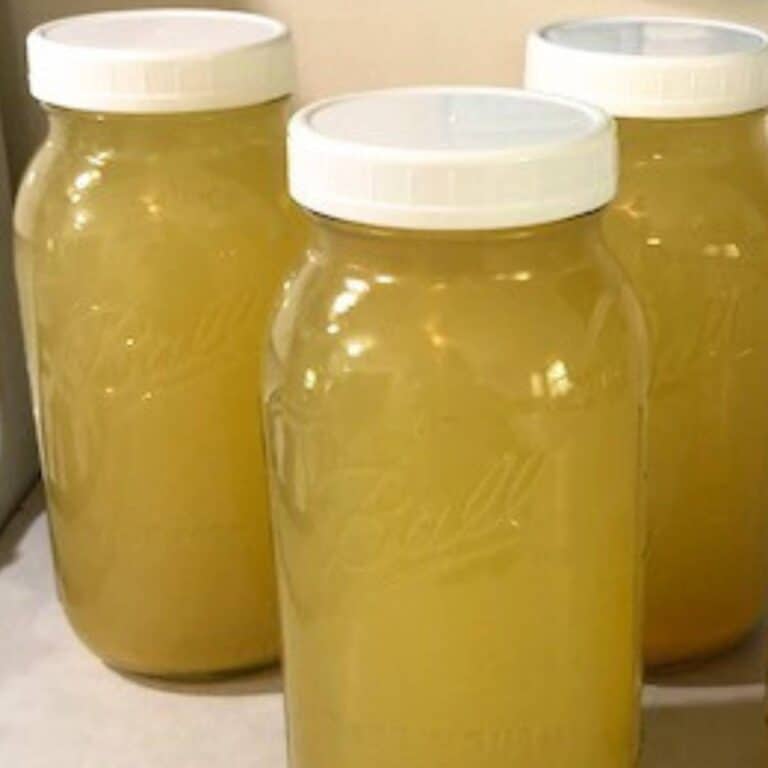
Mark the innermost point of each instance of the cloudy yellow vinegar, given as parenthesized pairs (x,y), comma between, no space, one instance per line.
(148,251)
(690,226)
(454,423)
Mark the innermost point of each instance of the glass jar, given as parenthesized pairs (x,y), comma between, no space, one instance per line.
(153,227)
(690,225)
(453,399)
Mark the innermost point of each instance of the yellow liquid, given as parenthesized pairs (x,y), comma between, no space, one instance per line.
(454,429)
(148,252)
(691,228)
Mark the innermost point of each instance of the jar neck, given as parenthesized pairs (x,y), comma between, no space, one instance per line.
(262,123)
(723,142)
(554,245)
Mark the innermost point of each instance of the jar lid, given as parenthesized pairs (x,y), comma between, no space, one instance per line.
(653,67)
(451,158)
(161,60)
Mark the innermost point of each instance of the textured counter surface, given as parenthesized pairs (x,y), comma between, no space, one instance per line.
(60,708)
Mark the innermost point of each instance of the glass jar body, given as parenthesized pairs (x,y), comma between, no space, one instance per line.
(148,250)
(454,437)
(690,226)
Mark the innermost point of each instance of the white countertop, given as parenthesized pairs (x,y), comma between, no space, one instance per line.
(61,708)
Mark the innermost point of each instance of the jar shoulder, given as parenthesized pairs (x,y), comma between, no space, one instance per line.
(691,209)
(519,329)
(110,188)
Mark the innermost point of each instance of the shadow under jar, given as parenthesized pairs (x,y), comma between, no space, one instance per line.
(153,228)
(453,401)
(690,226)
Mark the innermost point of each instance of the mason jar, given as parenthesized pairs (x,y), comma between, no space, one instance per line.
(153,227)
(454,404)
(690,226)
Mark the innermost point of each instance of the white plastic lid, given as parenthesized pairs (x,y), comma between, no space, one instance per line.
(160,61)
(652,67)
(451,158)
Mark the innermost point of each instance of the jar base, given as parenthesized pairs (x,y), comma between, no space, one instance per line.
(155,678)
(677,658)
(190,675)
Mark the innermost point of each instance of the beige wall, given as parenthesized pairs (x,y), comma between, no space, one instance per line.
(349,44)
(346,45)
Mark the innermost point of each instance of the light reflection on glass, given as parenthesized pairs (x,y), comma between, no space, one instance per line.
(356,285)
(356,347)
(520,276)
(632,208)
(537,385)
(726,250)
(436,339)
(81,183)
(310,379)
(100,158)
(86,178)
(154,208)
(285,303)
(81,219)
(344,302)
(558,381)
